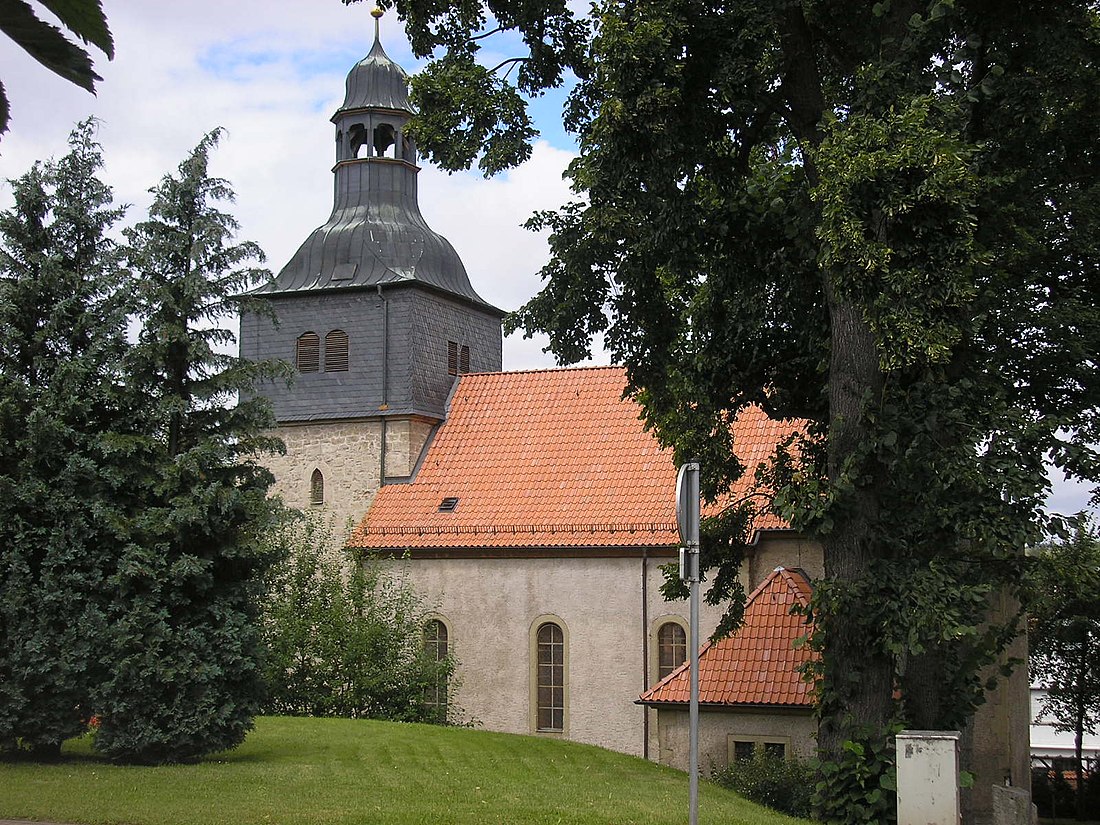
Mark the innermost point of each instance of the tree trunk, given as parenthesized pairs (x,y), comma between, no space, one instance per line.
(864,690)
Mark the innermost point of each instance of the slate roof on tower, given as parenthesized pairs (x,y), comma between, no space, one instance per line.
(550,459)
(757,665)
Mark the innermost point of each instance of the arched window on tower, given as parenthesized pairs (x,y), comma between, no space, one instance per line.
(308,352)
(357,138)
(385,141)
(316,489)
(336,351)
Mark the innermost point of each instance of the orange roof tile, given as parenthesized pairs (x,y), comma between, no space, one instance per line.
(757,665)
(546,458)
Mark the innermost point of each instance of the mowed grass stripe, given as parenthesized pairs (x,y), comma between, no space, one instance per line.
(336,771)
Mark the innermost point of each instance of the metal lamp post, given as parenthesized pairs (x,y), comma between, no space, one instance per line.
(687,520)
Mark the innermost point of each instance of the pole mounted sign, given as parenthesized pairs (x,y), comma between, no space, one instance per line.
(687,520)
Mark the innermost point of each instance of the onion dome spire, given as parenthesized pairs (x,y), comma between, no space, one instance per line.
(376,81)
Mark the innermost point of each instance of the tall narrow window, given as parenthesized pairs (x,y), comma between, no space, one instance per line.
(452,358)
(336,351)
(464,360)
(308,352)
(671,648)
(550,685)
(435,645)
(316,489)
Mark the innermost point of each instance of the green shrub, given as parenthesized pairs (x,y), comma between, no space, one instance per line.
(344,636)
(784,785)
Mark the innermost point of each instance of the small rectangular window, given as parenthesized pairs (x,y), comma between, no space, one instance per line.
(776,750)
(743,750)
(744,746)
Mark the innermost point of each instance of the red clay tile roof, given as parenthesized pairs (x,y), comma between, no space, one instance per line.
(546,458)
(757,665)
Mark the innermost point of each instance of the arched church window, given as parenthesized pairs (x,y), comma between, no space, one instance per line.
(384,139)
(336,351)
(671,648)
(308,352)
(550,678)
(436,646)
(316,489)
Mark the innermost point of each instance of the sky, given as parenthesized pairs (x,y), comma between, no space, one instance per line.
(271,74)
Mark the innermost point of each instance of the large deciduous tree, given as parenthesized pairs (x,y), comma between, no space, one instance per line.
(1064,636)
(62,410)
(186,676)
(878,218)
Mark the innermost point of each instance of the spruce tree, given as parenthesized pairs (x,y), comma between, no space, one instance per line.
(62,424)
(186,678)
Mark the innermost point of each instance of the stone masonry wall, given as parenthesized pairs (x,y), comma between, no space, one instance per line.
(346,453)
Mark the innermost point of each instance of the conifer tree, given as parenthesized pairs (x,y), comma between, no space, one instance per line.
(62,420)
(185,676)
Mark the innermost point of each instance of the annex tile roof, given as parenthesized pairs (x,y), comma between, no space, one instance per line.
(757,665)
(546,458)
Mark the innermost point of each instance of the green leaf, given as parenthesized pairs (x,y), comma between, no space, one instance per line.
(84,18)
(46,44)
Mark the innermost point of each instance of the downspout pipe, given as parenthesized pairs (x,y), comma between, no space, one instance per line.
(645,649)
(385,385)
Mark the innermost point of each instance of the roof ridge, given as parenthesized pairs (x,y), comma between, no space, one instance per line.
(535,370)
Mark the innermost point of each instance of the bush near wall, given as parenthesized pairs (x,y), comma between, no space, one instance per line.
(784,785)
(344,634)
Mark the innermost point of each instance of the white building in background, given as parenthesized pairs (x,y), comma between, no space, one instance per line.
(1048,744)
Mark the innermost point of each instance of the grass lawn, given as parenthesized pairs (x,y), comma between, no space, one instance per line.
(328,771)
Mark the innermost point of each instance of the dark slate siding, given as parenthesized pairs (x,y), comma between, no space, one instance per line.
(419,323)
(321,395)
(435,321)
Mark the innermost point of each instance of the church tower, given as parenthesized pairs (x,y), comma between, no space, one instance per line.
(374,311)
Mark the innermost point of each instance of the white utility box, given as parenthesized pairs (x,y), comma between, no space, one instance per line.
(928,777)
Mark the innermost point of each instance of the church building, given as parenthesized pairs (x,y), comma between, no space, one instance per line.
(533,509)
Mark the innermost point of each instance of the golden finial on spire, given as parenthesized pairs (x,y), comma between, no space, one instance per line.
(377,13)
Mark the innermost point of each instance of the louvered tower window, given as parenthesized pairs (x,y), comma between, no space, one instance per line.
(458,358)
(336,351)
(308,352)
(316,489)
(452,358)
